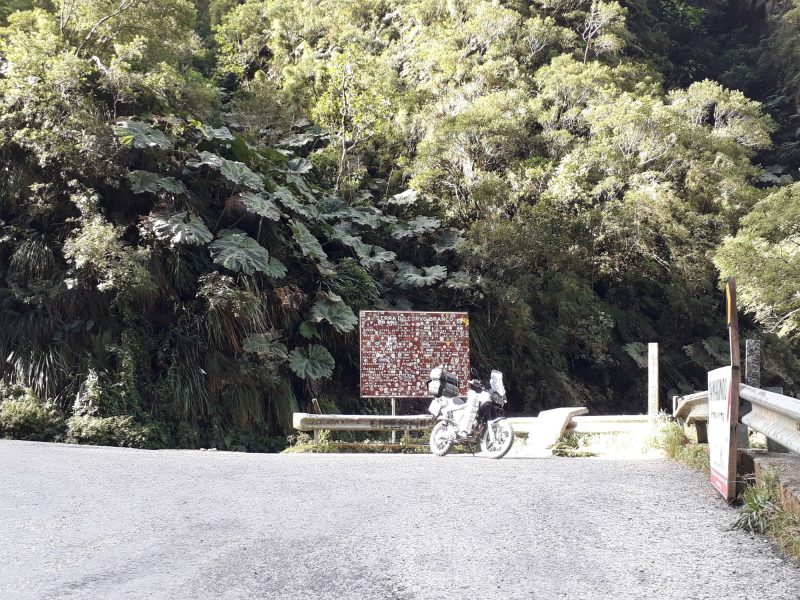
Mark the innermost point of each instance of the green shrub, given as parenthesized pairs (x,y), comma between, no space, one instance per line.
(304,443)
(671,438)
(13,391)
(760,504)
(108,394)
(252,442)
(764,510)
(115,431)
(27,418)
(572,445)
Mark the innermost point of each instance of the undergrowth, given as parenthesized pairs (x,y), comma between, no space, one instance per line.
(764,510)
(114,431)
(672,438)
(28,418)
(573,445)
(24,416)
(304,443)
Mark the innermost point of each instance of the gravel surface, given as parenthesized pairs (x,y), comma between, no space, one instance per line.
(91,522)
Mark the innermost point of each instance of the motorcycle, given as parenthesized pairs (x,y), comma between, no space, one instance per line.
(477,419)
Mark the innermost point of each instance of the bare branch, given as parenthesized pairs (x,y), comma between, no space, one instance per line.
(66,13)
(124,6)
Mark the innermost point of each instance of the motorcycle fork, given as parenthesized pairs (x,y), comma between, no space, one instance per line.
(490,425)
(490,429)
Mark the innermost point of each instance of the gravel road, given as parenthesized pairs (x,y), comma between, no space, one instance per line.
(91,522)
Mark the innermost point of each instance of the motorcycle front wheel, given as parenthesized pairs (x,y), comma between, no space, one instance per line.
(503,439)
(442,438)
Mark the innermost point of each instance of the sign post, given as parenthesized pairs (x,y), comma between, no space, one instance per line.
(723,408)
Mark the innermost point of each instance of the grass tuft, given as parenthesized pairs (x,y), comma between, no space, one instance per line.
(765,511)
(573,445)
(673,440)
(303,443)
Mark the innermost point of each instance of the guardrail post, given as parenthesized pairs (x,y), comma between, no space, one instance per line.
(317,411)
(701,427)
(652,380)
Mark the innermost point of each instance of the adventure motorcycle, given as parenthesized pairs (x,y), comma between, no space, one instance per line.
(478,418)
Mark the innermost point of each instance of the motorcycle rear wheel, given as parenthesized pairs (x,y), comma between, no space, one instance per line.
(503,439)
(442,438)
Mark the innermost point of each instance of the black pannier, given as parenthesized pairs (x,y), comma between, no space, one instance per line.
(443,383)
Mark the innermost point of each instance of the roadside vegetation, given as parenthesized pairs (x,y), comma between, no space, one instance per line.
(632,444)
(304,443)
(572,445)
(679,443)
(766,510)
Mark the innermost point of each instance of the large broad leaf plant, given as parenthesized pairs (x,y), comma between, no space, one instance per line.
(217,203)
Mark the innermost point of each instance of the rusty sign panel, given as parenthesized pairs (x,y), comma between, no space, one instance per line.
(399,348)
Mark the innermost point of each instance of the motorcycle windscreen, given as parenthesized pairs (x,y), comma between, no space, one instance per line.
(496,382)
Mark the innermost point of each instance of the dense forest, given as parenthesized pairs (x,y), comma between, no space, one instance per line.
(197,198)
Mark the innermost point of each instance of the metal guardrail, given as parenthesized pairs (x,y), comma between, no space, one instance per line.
(775,415)
(546,428)
(693,410)
(608,423)
(692,407)
(586,423)
(311,422)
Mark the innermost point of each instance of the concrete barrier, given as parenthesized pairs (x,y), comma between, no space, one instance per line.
(545,429)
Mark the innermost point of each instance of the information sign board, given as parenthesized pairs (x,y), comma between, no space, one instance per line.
(723,416)
(399,349)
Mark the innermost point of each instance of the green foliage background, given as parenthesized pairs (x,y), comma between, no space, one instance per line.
(197,198)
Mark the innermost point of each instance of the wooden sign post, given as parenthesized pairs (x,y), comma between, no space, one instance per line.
(723,408)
